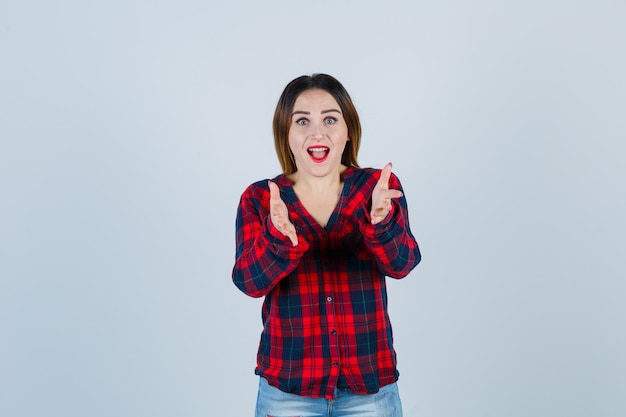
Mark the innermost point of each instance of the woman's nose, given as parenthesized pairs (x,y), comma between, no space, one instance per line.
(316,132)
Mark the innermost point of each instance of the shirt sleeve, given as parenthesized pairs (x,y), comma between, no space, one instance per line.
(264,256)
(391,242)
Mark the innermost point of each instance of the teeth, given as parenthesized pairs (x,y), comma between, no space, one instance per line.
(318,149)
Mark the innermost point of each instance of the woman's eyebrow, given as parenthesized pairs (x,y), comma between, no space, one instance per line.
(308,112)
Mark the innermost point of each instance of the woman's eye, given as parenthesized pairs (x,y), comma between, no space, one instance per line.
(331,121)
(302,122)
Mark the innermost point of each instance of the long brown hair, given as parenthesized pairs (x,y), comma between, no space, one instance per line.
(284,109)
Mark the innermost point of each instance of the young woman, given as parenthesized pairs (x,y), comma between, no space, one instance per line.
(317,242)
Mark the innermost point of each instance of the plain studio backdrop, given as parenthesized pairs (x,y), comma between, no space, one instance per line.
(129,130)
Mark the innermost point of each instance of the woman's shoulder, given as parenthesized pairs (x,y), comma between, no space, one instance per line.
(367,175)
(262,186)
(362,174)
(359,172)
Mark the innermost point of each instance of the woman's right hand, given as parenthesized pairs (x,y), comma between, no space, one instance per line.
(280,215)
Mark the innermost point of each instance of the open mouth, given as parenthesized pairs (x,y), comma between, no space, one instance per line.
(318,153)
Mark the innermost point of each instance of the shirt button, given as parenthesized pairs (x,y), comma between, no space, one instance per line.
(333,332)
(335,363)
(329,299)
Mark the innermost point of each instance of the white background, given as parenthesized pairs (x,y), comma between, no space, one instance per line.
(129,129)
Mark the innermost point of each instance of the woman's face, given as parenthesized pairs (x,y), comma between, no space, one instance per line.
(318,133)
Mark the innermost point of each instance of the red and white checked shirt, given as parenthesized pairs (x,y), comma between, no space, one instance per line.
(325,318)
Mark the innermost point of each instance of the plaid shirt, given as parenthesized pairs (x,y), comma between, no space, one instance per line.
(325,321)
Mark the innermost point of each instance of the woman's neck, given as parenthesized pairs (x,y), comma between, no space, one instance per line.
(318,185)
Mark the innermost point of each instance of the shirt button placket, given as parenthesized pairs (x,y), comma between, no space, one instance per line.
(330,308)
(334,346)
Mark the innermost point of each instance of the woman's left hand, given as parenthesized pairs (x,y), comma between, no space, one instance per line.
(382,195)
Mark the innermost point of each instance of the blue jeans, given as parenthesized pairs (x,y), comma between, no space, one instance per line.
(272,402)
